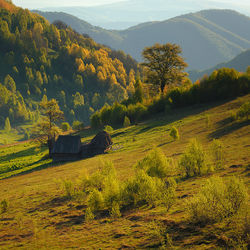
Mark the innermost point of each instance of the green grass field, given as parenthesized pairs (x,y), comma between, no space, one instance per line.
(39,216)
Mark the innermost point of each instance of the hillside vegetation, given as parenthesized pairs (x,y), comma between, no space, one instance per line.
(177,175)
(222,84)
(48,208)
(38,58)
(207,37)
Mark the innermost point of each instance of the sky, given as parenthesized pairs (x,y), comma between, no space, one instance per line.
(37,4)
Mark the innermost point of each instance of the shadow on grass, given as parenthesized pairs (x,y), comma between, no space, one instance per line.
(226,128)
(177,114)
(118,134)
(70,221)
(53,203)
(26,152)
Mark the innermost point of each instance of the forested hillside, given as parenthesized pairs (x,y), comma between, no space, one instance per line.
(207,37)
(38,58)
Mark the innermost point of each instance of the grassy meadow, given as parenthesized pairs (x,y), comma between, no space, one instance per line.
(37,214)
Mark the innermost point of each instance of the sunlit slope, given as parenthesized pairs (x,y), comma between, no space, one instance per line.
(39,215)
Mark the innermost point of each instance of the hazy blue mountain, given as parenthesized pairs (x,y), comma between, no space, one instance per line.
(128,13)
(240,63)
(207,37)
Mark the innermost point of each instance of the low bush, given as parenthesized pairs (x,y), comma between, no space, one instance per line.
(104,191)
(115,115)
(174,133)
(4,206)
(89,215)
(218,199)
(155,164)
(218,154)
(136,112)
(194,161)
(244,111)
(69,188)
(146,190)
(95,200)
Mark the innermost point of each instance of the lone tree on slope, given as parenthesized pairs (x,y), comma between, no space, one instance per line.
(163,64)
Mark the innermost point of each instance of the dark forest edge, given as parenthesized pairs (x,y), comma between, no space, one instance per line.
(222,84)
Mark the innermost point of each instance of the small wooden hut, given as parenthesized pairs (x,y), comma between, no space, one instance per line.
(67,148)
(100,144)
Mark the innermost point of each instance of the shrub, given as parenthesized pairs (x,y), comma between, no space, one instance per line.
(218,154)
(126,122)
(115,210)
(111,192)
(65,126)
(217,200)
(174,133)
(68,187)
(89,214)
(136,112)
(77,125)
(193,161)
(140,190)
(155,164)
(144,189)
(158,105)
(233,116)
(105,191)
(95,200)
(4,206)
(108,129)
(118,112)
(244,111)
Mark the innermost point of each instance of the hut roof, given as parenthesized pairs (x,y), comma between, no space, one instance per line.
(101,140)
(67,145)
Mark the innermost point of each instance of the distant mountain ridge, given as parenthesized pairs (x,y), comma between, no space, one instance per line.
(207,37)
(126,13)
(240,63)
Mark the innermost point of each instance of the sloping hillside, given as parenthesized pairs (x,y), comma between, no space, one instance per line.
(240,63)
(207,37)
(40,213)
